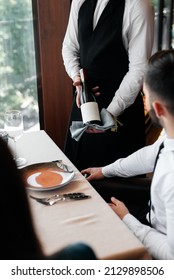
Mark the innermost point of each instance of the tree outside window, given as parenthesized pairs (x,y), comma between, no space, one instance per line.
(18,82)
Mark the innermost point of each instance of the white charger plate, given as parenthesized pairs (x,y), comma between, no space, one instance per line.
(45,176)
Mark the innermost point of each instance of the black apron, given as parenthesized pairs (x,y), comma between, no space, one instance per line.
(105,60)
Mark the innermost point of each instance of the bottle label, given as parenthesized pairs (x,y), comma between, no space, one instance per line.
(90,112)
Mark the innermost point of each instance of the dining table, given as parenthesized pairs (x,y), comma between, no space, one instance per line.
(90,221)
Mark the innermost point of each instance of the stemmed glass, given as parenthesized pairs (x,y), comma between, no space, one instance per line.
(13,124)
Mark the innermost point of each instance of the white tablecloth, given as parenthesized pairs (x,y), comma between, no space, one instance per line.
(90,221)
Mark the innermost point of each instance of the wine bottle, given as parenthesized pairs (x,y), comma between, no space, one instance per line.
(89,107)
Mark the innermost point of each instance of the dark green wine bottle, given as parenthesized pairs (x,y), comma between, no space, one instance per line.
(89,107)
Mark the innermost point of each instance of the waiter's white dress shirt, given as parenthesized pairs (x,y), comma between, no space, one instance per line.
(138,34)
(159,240)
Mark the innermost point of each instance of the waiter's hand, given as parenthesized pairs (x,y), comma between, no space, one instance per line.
(77,84)
(94,130)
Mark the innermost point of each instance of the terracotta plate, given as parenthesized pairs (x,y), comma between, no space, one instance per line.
(45,176)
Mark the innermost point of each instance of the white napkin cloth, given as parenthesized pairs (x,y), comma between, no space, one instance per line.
(78,128)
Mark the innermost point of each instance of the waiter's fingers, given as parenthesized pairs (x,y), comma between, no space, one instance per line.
(78,89)
(77,81)
(93,130)
(96,91)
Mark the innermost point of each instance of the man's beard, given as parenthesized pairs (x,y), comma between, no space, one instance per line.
(154,118)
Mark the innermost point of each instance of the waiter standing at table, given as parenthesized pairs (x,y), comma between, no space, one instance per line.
(112,40)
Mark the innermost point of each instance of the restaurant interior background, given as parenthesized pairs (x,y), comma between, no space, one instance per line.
(32,75)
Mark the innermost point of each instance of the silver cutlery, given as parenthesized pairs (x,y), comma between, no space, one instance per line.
(63,166)
(55,196)
(49,201)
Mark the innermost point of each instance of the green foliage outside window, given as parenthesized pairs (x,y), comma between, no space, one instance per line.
(18,88)
(155,3)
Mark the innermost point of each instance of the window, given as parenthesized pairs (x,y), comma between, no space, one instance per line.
(18,81)
(164,20)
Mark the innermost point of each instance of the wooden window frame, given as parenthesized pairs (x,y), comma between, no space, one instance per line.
(54,86)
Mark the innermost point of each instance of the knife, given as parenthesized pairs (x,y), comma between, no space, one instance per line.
(62,197)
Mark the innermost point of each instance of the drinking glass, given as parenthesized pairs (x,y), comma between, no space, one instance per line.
(13,124)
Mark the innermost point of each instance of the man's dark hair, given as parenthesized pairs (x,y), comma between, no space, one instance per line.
(160,77)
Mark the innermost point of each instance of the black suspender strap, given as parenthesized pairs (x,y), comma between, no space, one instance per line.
(150,202)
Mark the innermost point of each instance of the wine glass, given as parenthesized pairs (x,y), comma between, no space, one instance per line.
(13,124)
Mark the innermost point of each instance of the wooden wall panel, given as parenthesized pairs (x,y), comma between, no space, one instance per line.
(54,85)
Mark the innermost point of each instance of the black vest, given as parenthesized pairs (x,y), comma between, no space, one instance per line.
(102,53)
(105,60)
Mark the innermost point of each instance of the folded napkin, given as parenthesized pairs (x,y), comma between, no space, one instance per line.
(78,128)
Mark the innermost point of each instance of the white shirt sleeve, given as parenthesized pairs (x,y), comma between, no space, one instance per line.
(138,31)
(155,242)
(140,162)
(138,36)
(167,196)
(70,48)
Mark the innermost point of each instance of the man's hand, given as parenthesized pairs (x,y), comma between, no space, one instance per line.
(118,207)
(94,173)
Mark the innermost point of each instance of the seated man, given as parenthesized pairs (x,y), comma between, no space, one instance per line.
(159,92)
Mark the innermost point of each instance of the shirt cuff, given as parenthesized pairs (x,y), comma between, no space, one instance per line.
(130,221)
(136,226)
(116,107)
(108,171)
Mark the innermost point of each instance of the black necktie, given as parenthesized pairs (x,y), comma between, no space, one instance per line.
(150,203)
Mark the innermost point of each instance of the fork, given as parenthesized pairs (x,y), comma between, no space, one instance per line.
(64,167)
(53,199)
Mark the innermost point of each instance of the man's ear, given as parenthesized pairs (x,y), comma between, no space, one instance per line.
(159,108)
